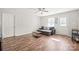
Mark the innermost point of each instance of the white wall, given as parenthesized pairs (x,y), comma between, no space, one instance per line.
(72,22)
(25,20)
(7,25)
(26,24)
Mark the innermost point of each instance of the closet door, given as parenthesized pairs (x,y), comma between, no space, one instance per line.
(7,25)
(0,27)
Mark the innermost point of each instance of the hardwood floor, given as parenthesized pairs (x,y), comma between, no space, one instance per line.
(44,43)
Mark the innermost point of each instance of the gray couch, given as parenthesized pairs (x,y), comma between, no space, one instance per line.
(47,30)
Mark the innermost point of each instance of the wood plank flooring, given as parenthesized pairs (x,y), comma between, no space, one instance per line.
(44,43)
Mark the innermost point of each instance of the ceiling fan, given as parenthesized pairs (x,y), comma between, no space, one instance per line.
(41,10)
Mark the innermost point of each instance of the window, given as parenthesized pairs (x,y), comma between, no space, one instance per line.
(63,21)
(51,22)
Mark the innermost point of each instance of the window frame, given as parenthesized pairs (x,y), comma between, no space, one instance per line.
(64,22)
(51,22)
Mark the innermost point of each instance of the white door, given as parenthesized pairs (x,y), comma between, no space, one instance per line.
(0,27)
(7,25)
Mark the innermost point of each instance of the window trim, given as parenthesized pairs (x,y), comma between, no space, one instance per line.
(65,23)
(53,25)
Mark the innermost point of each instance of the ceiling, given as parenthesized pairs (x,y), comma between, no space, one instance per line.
(35,11)
(52,11)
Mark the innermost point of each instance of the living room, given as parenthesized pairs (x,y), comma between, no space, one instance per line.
(28,29)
